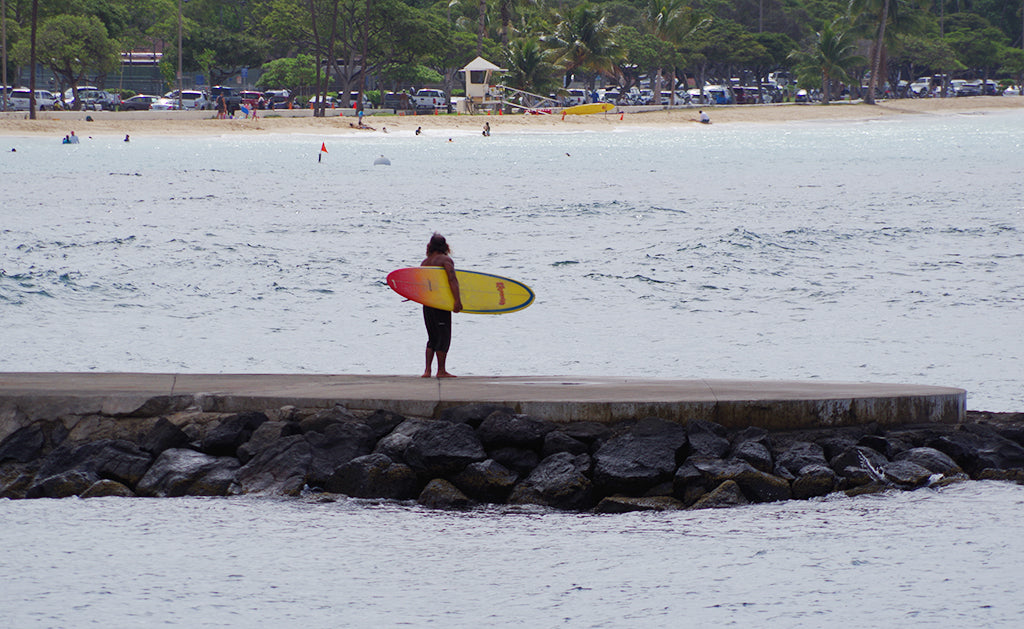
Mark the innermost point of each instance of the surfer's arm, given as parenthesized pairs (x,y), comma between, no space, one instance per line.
(453,282)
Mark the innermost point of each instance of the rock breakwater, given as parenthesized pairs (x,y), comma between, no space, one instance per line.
(489,454)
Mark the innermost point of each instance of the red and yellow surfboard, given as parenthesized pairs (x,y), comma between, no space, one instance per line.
(481,293)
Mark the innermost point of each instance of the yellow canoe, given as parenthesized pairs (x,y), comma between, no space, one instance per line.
(589,108)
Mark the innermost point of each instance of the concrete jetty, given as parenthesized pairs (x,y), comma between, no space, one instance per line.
(774,405)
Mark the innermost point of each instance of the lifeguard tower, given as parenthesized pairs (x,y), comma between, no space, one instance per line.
(479,93)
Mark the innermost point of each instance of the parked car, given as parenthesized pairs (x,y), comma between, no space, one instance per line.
(251,99)
(19,100)
(164,104)
(191,99)
(277,99)
(430,99)
(97,100)
(139,102)
(574,97)
(329,102)
(232,97)
(397,100)
(746,95)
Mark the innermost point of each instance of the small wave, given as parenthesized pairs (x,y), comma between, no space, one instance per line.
(565,262)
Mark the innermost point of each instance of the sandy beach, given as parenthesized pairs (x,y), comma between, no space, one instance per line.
(205,123)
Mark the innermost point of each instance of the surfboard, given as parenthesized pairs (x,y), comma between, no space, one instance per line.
(588,108)
(481,293)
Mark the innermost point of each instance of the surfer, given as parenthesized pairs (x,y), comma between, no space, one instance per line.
(439,322)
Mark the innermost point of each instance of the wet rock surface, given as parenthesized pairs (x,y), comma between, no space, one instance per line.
(489,454)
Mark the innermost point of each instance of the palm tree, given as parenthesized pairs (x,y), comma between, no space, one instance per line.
(672,21)
(832,56)
(584,41)
(886,18)
(528,68)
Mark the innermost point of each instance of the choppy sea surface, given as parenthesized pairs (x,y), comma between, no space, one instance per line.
(929,558)
(868,251)
(886,251)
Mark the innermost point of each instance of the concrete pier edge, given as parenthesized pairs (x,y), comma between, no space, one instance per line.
(774,405)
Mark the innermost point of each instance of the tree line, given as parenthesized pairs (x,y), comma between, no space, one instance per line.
(544,44)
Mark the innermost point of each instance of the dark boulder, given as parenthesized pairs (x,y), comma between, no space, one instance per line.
(814,480)
(393,446)
(932,460)
(163,436)
(280,469)
(558,441)
(591,433)
(755,453)
(707,439)
(382,422)
(977,452)
(264,436)
(728,494)
(519,460)
(800,454)
(231,432)
(441,494)
(835,444)
(756,485)
(501,429)
(559,481)
(885,446)
(16,480)
(321,420)
(373,476)
(905,473)
(115,459)
(688,483)
(338,444)
(23,445)
(855,457)
(441,448)
(181,472)
(753,433)
(644,456)
(472,414)
(626,504)
(486,481)
(106,488)
(63,485)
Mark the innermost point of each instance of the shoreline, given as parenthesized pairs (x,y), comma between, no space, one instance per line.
(301,121)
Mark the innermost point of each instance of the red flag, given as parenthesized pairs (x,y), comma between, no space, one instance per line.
(323,147)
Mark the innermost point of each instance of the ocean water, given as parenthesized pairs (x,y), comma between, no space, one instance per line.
(930,558)
(870,251)
(859,251)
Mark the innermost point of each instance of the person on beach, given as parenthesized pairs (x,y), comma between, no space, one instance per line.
(487,129)
(439,322)
(704,117)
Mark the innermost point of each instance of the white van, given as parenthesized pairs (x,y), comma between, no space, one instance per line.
(19,100)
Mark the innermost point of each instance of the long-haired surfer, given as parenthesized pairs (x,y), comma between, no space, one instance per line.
(439,322)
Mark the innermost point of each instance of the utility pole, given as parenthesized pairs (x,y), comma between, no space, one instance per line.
(32,63)
(3,44)
(179,55)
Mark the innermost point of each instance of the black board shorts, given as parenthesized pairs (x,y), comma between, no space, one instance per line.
(439,328)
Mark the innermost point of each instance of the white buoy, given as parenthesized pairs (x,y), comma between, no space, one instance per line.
(382,161)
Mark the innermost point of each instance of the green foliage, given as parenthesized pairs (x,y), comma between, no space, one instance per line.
(290,73)
(72,46)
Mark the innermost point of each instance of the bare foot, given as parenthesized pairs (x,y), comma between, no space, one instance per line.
(426,374)
(445,374)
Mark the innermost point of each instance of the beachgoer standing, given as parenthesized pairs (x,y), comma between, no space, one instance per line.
(487,129)
(222,107)
(439,322)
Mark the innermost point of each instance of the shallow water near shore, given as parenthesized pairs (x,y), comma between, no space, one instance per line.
(857,251)
(927,558)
